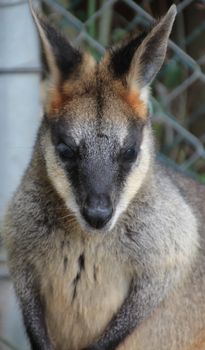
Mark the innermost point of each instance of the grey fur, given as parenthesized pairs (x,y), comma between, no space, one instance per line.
(80,288)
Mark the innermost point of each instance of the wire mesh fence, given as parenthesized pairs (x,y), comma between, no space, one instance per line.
(178,102)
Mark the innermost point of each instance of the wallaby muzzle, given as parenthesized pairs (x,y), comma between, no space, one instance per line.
(97,210)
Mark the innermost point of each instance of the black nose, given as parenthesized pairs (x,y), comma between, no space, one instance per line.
(97,210)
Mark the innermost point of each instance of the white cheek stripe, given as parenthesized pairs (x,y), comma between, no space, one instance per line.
(135,178)
(58,177)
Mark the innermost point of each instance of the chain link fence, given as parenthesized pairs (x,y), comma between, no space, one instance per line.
(178,94)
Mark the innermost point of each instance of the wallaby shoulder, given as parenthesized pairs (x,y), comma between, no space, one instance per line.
(192,190)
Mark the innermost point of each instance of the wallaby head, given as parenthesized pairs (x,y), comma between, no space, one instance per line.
(96,137)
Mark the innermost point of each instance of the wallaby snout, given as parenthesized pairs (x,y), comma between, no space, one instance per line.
(97,210)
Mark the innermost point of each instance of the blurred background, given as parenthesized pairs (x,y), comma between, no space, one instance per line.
(177,105)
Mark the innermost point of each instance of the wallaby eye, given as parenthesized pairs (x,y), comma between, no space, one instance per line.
(66,152)
(130,154)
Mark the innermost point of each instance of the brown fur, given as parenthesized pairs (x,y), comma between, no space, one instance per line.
(57,101)
(60,94)
(133,100)
(149,259)
(59,97)
(200,343)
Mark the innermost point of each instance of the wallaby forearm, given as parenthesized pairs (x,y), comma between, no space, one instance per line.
(145,295)
(32,309)
(35,326)
(36,329)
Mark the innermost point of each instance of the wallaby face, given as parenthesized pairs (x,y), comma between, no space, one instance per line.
(93,152)
(98,142)
(97,163)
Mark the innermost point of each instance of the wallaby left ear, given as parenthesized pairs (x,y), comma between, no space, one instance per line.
(61,57)
(143,56)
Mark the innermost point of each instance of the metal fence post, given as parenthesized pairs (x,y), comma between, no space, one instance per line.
(19,93)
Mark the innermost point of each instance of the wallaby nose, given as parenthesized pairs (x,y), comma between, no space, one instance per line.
(97,210)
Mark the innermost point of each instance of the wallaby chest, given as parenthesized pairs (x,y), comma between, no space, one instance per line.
(83,285)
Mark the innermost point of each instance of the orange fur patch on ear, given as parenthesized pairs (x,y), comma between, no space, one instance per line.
(76,85)
(56,101)
(132,98)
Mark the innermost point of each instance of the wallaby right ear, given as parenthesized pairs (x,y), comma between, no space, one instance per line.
(61,57)
(142,57)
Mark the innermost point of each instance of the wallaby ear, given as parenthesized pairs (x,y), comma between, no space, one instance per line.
(61,57)
(141,58)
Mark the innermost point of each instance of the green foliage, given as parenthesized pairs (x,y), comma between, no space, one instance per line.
(118,34)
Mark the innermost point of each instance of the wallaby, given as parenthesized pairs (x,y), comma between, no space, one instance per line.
(105,245)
